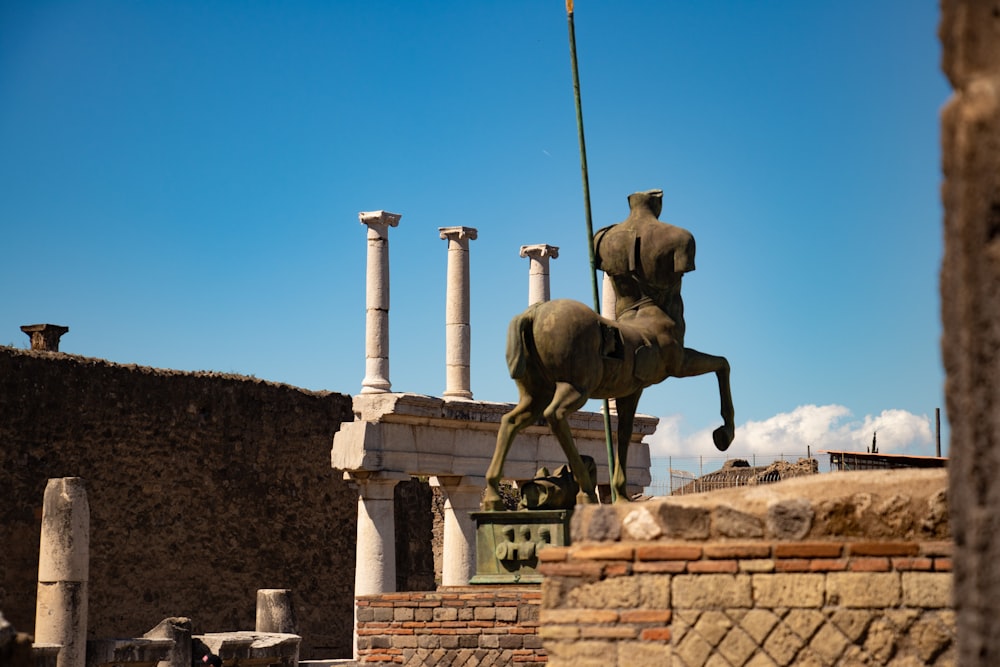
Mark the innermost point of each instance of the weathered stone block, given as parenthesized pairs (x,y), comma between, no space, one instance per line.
(931,590)
(582,654)
(737,646)
(782,645)
(688,523)
(730,522)
(758,623)
(641,525)
(446,614)
(620,592)
(804,622)
(788,590)
(712,591)
(643,654)
(790,519)
(506,614)
(863,589)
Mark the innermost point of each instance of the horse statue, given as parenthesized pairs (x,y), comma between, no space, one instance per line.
(561,353)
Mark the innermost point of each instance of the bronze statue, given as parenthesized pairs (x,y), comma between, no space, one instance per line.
(561,353)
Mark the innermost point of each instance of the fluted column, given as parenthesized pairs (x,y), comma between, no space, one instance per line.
(458,337)
(377,301)
(538,270)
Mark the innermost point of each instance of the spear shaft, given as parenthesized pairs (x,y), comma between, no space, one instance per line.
(590,225)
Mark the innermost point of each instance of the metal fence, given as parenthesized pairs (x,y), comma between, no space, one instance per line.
(678,475)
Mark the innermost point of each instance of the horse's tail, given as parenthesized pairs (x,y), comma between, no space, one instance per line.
(520,343)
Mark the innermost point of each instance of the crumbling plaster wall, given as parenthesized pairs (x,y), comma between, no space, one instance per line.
(203,488)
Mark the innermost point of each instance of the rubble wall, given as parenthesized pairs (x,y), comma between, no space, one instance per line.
(203,488)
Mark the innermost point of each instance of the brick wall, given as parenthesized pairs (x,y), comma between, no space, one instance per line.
(759,602)
(483,626)
(840,569)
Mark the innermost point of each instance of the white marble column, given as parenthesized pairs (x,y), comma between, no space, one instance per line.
(458,337)
(375,567)
(538,271)
(461,497)
(375,571)
(377,301)
(63,570)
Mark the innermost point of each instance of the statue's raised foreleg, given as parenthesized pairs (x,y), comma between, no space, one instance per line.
(699,363)
(567,400)
(626,406)
(525,413)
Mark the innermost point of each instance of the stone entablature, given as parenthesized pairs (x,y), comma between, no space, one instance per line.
(840,569)
(413,434)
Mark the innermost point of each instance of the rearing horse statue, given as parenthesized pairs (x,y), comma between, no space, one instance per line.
(561,353)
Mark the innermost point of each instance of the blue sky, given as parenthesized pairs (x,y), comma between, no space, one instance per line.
(180,184)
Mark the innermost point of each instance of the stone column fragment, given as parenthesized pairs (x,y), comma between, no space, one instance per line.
(538,270)
(63,570)
(461,498)
(458,336)
(44,337)
(377,301)
(275,612)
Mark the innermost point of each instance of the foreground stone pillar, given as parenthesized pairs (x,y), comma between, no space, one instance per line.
(275,612)
(377,301)
(458,337)
(538,270)
(63,570)
(461,498)
(970,310)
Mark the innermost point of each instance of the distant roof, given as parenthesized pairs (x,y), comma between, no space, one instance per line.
(879,460)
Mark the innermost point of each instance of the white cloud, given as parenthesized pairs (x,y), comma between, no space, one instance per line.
(816,426)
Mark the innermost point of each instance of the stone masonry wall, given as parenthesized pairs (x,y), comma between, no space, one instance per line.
(476,625)
(837,569)
(202,489)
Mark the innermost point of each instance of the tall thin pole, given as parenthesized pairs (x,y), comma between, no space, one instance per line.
(937,431)
(590,226)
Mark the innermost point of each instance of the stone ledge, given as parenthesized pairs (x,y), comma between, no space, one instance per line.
(871,509)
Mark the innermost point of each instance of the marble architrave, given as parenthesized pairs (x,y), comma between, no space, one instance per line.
(413,434)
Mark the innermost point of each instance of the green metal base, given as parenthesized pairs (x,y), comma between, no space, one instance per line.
(507,544)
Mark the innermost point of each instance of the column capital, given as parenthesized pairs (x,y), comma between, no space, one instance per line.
(383,218)
(44,336)
(540,250)
(458,233)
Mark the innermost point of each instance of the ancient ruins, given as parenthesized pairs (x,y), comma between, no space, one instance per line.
(162,517)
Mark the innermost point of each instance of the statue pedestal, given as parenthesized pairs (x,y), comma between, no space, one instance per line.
(507,544)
